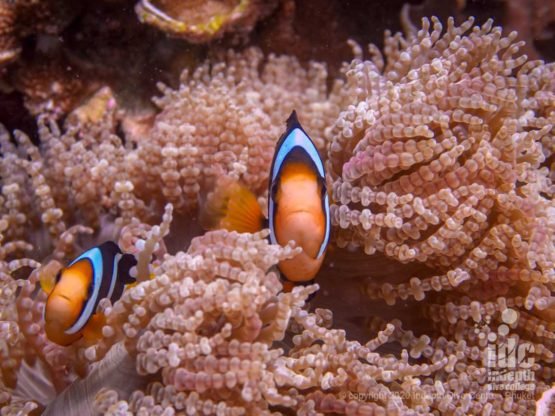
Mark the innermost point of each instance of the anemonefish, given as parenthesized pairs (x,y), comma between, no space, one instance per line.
(298,205)
(73,295)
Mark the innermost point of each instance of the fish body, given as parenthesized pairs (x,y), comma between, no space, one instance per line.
(298,205)
(298,202)
(71,307)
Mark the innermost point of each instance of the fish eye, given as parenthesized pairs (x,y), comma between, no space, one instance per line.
(58,276)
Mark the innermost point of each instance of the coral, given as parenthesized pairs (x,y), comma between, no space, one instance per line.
(9,47)
(440,155)
(44,16)
(204,21)
(50,85)
(20,18)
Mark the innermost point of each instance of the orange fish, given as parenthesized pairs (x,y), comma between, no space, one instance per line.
(74,294)
(298,205)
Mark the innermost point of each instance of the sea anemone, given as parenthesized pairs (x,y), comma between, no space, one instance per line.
(440,158)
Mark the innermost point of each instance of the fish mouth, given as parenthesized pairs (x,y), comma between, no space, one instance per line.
(306,211)
(65,297)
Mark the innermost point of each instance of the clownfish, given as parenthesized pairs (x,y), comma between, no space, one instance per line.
(73,295)
(298,205)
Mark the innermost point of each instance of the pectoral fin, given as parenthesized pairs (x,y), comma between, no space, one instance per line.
(49,275)
(93,330)
(232,206)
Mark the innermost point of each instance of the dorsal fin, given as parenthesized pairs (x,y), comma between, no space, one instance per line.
(293,121)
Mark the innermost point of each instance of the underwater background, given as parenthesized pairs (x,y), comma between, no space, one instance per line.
(120,119)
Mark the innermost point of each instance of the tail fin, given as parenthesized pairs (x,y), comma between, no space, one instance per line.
(232,206)
(125,263)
